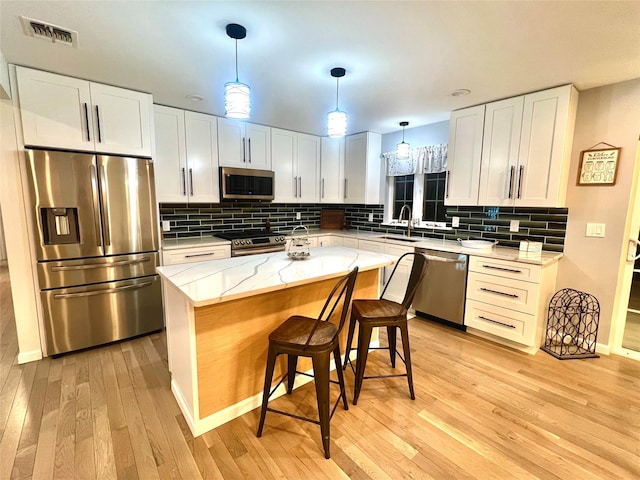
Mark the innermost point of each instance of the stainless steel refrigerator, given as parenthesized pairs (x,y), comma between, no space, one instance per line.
(96,245)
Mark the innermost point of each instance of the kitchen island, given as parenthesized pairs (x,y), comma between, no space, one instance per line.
(219,315)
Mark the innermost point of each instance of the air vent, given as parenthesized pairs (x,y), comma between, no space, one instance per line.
(47,31)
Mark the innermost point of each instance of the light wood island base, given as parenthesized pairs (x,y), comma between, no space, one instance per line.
(217,353)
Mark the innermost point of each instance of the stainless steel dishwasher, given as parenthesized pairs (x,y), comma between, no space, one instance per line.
(442,292)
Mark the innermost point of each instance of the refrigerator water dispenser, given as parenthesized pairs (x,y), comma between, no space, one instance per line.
(60,226)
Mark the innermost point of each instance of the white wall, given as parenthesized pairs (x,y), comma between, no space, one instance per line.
(23,286)
(608,114)
(3,249)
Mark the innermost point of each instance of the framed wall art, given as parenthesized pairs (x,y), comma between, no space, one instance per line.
(598,167)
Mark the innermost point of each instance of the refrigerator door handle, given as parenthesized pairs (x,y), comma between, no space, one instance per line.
(105,207)
(96,204)
(91,293)
(101,265)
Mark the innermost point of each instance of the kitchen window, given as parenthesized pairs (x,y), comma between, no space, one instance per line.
(424,193)
(402,193)
(433,207)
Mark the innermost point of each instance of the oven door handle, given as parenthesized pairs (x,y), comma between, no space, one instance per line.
(255,251)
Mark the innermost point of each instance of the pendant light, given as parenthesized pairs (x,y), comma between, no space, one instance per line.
(237,95)
(337,120)
(403,148)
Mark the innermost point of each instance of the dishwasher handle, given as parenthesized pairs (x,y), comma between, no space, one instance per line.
(435,258)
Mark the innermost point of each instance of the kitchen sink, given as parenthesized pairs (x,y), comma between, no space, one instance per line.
(402,239)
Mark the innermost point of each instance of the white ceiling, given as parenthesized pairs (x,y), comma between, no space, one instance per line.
(402,58)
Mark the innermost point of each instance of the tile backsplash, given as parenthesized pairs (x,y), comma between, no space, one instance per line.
(546,225)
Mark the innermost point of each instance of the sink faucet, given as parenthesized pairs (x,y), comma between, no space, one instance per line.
(408,219)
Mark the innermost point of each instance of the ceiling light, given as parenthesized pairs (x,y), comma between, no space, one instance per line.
(402,149)
(460,92)
(194,97)
(337,120)
(237,95)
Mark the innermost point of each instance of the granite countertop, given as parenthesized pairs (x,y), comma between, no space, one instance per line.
(502,253)
(205,283)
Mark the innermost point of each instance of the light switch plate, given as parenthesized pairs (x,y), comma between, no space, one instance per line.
(371,217)
(595,230)
(455,222)
(514,226)
(298,216)
(166,225)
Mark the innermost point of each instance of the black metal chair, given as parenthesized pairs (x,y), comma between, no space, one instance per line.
(316,338)
(369,314)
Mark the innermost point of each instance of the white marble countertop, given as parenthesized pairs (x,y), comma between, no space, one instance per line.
(205,283)
(502,253)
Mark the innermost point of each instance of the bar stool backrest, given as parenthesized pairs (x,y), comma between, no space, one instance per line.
(341,293)
(418,272)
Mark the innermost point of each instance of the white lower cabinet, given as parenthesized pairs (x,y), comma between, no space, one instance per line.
(509,299)
(350,242)
(195,254)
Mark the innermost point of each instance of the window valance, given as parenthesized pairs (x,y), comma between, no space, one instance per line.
(427,159)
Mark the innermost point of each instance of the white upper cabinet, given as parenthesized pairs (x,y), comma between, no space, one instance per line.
(523,157)
(500,147)
(332,170)
(186,162)
(295,160)
(363,172)
(548,122)
(242,144)
(465,154)
(69,113)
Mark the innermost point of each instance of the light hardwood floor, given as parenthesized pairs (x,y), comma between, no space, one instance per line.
(481,411)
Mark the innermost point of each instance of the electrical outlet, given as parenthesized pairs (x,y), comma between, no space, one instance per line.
(371,217)
(166,225)
(298,216)
(514,226)
(455,222)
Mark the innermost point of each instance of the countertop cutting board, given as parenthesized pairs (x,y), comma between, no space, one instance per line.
(332,219)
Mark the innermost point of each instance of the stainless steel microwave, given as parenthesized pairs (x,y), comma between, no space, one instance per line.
(245,184)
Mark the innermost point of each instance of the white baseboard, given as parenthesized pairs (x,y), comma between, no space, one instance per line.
(604,349)
(32,356)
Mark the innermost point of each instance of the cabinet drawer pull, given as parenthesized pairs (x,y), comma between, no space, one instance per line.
(512,295)
(86,119)
(512,270)
(496,321)
(200,255)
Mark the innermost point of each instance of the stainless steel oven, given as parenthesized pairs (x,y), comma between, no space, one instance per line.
(253,242)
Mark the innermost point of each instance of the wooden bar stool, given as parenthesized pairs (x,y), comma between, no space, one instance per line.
(316,338)
(382,312)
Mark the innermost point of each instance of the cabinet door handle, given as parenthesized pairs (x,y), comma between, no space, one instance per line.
(520,181)
(496,321)
(512,171)
(98,119)
(86,119)
(512,295)
(184,182)
(295,187)
(446,185)
(244,151)
(300,187)
(249,142)
(346,185)
(191,181)
(322,195)
(512,270)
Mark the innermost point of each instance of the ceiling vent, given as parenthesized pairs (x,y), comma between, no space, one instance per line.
(47,31)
